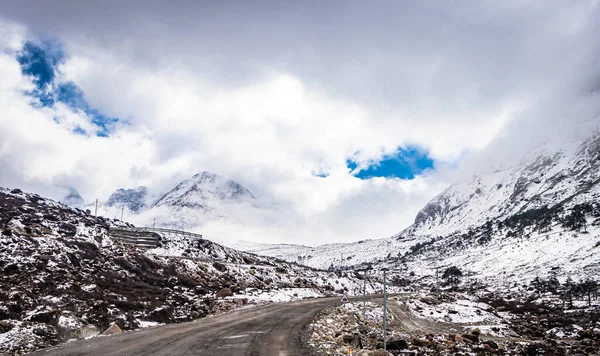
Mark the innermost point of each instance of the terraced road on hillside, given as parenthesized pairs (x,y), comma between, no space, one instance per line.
(269,330)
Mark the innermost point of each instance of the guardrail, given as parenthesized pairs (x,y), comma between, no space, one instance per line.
(161,230)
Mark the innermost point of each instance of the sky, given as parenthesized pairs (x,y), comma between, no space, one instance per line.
(343,118)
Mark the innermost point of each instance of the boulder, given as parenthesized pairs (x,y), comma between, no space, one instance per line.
(161,315)
(397,344)
(419,342)
(475,332)
(220,267)
(378,353)
(491,343)
(112,330)
(225,292)
(586,334)
(353,340)
(45,316)
(473,338)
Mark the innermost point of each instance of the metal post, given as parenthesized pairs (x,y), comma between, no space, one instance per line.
(154,223)
(384,311)
(96,211)
(437,286)
(364,293)
(122,208)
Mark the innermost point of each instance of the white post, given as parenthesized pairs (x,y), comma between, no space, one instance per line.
(364,293)
(384,311)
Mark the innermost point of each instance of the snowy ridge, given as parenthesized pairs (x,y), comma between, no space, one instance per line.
(545,177)
(201,189)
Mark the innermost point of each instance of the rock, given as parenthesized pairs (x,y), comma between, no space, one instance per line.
(501,348)
(492,344)
(472,338)
(475,332)
(112,330)
(419,342)
(339,340)
(220,267)
(586,334)
(161,315)
(378,353)
(456,338)
(398,344)
(225,292)
(328,338)
(45,316)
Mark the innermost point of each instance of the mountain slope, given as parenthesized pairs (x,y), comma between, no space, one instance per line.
(133,199)
(203,190)
(63,276)
(545,177)
(536,217)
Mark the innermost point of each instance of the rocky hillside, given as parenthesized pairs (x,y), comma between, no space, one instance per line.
(63,276)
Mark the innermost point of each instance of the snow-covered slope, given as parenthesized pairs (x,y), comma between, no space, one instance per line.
(511,224)
(544,177)
(202,191)
(331,255)
(202,198)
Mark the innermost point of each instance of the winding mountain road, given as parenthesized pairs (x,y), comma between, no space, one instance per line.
(269,330)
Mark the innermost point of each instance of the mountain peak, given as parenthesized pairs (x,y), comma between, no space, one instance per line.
(203,188)
(134,199)
(73,199)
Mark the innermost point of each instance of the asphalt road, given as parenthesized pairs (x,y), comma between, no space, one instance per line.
(269,330)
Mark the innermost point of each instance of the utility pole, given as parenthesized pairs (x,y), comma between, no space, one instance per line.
(437,286)
(384,310)
(154,223)
(122,208)
(364,293)
(364,271)
(96,211)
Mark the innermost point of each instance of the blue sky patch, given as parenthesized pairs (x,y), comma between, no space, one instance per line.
(321,175)
(405,164)
(41,63)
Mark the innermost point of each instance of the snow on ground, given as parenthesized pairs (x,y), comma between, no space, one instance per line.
(462,310)
(24,336)
(281,295)
(330,255)
(506,261)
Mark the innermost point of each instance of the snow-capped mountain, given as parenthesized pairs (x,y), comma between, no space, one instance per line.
(191,203)
(537,217)
(544,177)
(202,191)
(133,199)
(73,199)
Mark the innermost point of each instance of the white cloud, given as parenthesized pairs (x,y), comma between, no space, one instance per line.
(270,110)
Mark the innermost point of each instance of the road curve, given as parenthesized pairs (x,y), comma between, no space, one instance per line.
(269,330)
